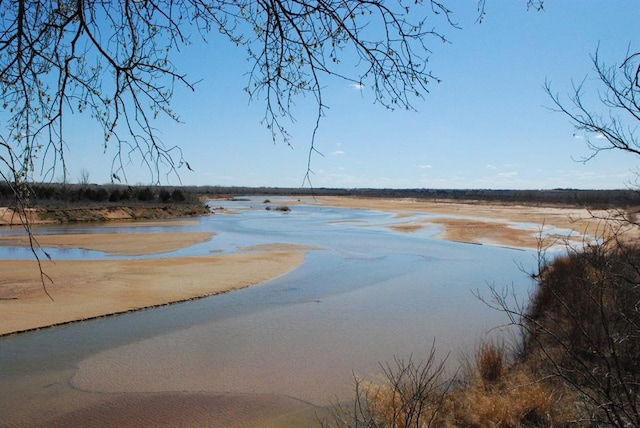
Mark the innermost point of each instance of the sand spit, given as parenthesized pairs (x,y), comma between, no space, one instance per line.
(88,289)
(121,244)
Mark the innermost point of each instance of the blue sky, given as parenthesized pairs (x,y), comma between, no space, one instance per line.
(484,126)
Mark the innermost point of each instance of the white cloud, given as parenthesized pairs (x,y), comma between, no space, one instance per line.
(357,86)
(600,137)
(337,152)
(489,166)
(424,166)
(507,174)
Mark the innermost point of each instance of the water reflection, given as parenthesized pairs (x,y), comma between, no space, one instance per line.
(366,295)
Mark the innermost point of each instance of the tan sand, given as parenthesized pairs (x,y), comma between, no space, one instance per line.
(122,244)
(9,216)
(87,289)
(150,223)
(39,216)
(485,223)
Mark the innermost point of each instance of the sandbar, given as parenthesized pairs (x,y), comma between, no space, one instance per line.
(88,289)
(487,222)
(122,244)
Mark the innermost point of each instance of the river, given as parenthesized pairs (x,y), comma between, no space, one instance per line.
(272,354)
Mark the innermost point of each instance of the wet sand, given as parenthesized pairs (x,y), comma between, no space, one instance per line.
(121,244)
(86,289)
(486,223)
(95,288)
(175,409)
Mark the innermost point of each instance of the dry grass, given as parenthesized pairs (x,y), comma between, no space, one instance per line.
(499,394)
(490,362)
(491,394)
(577,363)
(516,399)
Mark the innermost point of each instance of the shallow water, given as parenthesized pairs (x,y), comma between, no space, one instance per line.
(366,295)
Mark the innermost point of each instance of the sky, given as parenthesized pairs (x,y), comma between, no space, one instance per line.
(487,125)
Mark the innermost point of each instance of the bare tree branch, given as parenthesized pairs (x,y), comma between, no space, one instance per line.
(616,126)
(112,61)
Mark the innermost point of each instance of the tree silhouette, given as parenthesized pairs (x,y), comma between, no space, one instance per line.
(112,60)
(612,122)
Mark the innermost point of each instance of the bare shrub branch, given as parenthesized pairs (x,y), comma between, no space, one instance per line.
(411,395)
(582,327)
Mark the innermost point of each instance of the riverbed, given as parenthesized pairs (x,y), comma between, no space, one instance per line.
(274,354)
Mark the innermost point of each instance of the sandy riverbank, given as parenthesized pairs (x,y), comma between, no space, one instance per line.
(94,288)
(86,289)
(485,223)
(117,244)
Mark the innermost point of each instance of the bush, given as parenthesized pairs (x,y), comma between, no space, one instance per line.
(490,362)
(178,196)
(517,399)
(490,395)
(581,329)
(115,195)
(164,196)
(412,396)
(583,326)
(146,194)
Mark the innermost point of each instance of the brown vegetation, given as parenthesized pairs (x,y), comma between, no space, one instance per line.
(576,364)
(583,329)
(489,394)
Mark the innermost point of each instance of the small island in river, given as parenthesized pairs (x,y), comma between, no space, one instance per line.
(40,293)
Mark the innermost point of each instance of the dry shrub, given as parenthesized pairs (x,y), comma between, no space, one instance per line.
(583,327)
(516,400)
(392,409)
(411,395)
(490,362)
(494,395)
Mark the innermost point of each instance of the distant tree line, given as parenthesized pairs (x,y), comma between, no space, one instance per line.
(593,199)
(92,194)
(58,193)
